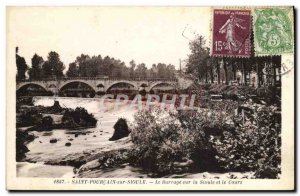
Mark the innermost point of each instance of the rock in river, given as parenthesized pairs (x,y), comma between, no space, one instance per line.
(121,130)
(53,140)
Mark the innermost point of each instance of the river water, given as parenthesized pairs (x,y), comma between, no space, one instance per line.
(41,150)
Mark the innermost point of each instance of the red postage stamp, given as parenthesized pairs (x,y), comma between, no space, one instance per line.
(231,33)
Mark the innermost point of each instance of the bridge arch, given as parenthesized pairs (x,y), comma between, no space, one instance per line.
(133,84)
(162,83)
(21,85)
(76,88)
(37,89)
(75,81)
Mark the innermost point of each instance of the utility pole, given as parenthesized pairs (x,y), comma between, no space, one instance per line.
(180,66)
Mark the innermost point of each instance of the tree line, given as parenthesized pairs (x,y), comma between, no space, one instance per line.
(86,66)
(204,67)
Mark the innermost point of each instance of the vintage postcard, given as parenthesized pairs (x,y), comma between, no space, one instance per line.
(150,98)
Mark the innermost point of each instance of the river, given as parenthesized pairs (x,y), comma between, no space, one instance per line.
(41,150)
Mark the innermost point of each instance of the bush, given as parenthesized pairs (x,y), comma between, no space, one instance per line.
(55,109)
(24,101)
(121,129)
(113,158)
(156,140)
(200,127)
(254,146)
(22,138)
(29,117)
(78,118)
(161,139)
(47,123)
(214,140)
(227,106)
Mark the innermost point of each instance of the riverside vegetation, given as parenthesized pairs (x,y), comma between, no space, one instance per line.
(214,140)
(207,140)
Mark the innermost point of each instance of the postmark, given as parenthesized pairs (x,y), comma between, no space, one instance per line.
(273,31)
(286,67)
(231,33)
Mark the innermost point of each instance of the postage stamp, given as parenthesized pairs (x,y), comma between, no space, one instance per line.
(231,33)
(273,31)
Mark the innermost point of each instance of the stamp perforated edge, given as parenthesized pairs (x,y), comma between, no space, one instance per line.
(212,8)
(291,15)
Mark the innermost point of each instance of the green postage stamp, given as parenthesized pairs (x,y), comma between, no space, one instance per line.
(273,30)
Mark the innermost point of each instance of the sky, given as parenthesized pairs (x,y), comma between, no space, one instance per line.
(145,34)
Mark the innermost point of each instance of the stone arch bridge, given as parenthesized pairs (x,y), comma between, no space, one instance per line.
(98,84)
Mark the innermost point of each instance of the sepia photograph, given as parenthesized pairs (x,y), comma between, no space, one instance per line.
(114,95)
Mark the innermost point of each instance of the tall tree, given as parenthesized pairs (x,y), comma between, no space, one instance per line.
(47,70)
(132,68)
(55,62)
(212,62)
(53,67)
(161,70)
(197,64)
(153,71)
(36,72)
(218,70)
(171,71)
(73,70)
(141,70)
(21,67)
(81,61)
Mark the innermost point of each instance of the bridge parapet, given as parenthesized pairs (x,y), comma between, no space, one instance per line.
(100,78)
(98,83)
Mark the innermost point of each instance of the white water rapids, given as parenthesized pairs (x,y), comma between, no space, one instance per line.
(42,150)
